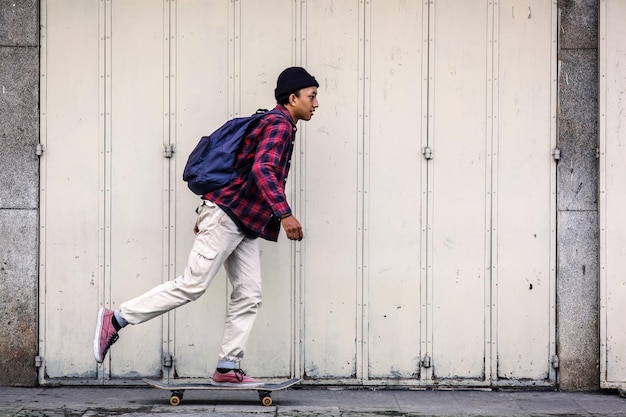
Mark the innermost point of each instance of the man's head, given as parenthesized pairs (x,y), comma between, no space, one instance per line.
(290,81)
(297,90)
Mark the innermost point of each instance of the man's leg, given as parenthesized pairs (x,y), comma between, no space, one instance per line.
(218,236)
(244,272)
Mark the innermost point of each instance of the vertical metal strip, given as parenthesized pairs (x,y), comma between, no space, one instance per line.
(427,196)
(106,125)
(234,62)
(300,57)
(231,61)
(424,186)
(168,248)
(298,24)
(43,175)
(491,185)
(553,182)
(363,144)
(297,280)
(602,174)
(235,71)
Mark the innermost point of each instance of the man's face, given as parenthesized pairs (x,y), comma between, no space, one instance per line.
(305,105)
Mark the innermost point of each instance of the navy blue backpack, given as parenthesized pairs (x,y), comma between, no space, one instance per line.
(211,163)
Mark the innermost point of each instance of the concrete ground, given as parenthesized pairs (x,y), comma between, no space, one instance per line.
(305,402)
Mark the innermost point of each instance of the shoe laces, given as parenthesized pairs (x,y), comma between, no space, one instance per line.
(239,374)
(112,339)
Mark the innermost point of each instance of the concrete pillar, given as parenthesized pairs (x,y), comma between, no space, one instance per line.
(577,179)
(19,190)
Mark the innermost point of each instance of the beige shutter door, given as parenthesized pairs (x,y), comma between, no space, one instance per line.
(105,198)
(72,187)
(612,194)
(226,69)
(424,182)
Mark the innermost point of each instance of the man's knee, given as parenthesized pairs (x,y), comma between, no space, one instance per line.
(191,289)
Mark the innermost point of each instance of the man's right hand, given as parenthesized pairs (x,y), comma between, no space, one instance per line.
(292,227)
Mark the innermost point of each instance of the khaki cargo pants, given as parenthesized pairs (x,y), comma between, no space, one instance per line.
(218,242)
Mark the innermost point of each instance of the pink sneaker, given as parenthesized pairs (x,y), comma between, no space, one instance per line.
(105,336)
(236,377)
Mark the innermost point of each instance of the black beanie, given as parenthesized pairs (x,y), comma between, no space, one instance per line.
(292,79)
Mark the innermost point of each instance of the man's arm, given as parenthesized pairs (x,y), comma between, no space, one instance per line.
(266,169)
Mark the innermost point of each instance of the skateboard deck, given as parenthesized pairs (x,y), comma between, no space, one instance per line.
(177,389)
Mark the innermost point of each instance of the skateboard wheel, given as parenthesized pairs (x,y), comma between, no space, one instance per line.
(266,398)
(176,398)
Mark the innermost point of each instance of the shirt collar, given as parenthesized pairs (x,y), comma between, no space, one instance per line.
(281,108)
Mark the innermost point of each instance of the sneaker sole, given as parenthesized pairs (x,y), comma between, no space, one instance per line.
(238,384)
(96,340)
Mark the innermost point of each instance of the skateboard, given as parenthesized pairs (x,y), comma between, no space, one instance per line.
(177,389)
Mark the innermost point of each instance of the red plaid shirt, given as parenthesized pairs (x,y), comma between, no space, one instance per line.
(257,199)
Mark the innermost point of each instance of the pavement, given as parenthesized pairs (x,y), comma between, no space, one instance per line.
(79,401)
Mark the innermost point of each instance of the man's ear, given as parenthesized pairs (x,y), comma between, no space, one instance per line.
(292,99)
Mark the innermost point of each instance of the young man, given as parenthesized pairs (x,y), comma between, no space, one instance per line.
(229,221)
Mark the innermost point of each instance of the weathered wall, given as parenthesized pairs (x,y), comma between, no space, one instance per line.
(19,184)
(577,281)
(577,236)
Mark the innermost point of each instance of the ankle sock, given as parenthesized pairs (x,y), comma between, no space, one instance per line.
(116,325)
(118,321)
(223,370)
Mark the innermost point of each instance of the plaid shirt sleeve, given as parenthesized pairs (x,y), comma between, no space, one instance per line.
(271,164)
